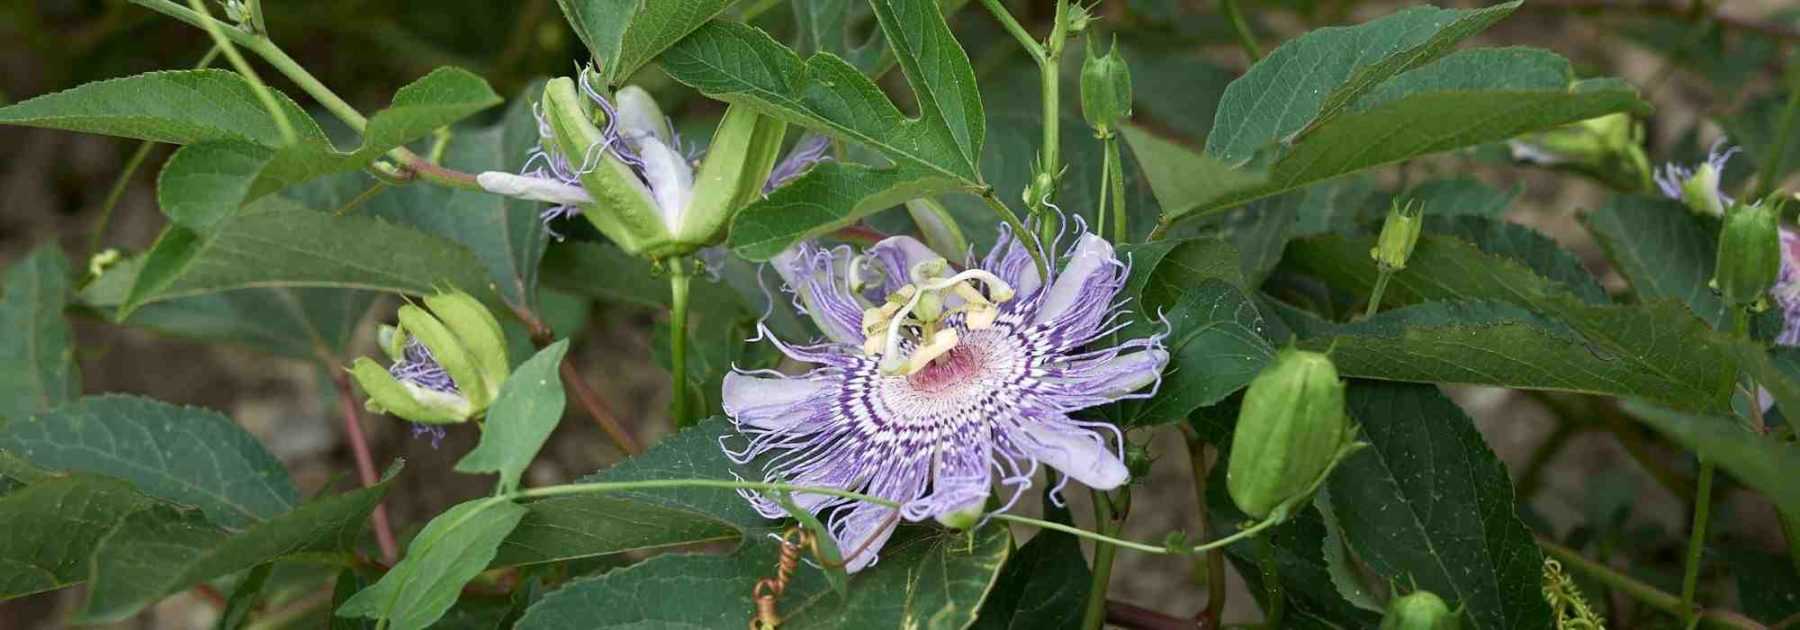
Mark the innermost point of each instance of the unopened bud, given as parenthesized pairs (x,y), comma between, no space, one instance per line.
(1700,191)
(1105,89)
(1291,430)
(1398,236)
(1420,610)
(1749,259)
(449,361)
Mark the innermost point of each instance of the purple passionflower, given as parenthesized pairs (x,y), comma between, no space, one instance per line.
(933,384)
(1787,288)
(1698,185)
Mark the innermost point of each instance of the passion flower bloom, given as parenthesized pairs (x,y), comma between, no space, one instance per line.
(933,384)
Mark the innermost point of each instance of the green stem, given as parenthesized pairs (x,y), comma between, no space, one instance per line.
(1018,229)
(1765,182)
(1381,283)
(257,25)
(1108,521)
(1050,76)
(1105,195)
(1242,28)
(678,334)
(1012,26)
(216,28)
(1271,577)
(1644,593)
(1697,542)
(1115,182)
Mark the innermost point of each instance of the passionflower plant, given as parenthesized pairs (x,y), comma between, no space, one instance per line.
(619,162)
(934,382)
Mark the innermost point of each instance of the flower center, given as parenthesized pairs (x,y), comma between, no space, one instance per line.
(948,370)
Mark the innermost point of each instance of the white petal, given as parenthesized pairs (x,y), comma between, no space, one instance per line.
(533,188)
(768,402)
(1092,255)
(821,292)
(865,529)
(1077,452)
(671,179)
(1124,374)
(639,117)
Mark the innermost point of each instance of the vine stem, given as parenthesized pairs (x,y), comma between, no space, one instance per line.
(1018,228)
(1108,519)
(1645,593)
(279,59)
(1115,182)
(1050,73)
(678,332)
(1215,559)
(1381,283)
(214,28)
(1697,542)
(1242,29)
(365,464)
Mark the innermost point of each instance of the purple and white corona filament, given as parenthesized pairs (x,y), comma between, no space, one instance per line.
(934,384)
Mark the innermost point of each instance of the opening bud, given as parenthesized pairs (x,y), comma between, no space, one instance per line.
(1749,253)
(1399,233)
(1291,431)
(448,362)
(1105,89)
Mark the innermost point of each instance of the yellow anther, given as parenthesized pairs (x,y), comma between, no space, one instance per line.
(970,294)
(927,270)
(980,317)
(944,341)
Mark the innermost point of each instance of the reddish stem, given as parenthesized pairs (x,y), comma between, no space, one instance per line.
(365,465)
(1125,615)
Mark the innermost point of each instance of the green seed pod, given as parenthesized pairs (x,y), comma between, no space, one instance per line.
(1398,236)
(1420,610)
(1105,89)
(1291,430)
(1749,254)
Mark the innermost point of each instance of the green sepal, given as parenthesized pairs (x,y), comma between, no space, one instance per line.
(622,208)
(449,353)
(1749,257)
(1105,89)
(479,332)
(743,151)
(388,395)
(392,340)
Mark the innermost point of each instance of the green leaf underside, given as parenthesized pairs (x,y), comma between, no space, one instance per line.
(926,578)
(830,196)
(159,551)
(298,247)
(592,524)
(1316,76)
(1462,99)
(1766,465)
(1445,267)
(623,35)
(37,355)
(1428,501)
(452,549)
(177,107)
(520,419)
(186,455)
(740,64)
(209,181)
(1656,351)
(52,526)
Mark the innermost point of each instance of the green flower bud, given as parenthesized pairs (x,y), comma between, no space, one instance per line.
(1042,185)
(964,517)
(1420,610)
(1609,147)
(1749,254)
(1398,236)
(1138,460)
(938,227)
(1291,430)
(1105,89)
(1700,191)
(449,361)
(744,150)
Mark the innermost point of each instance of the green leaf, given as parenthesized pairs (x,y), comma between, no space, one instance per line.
(1181,176)
(297,247)
(244,598)
(927,577)
(1215,347)
(1656,351)
(307,324)
(52,526)
(593,524)
(156,552)
(204,183)
(1444,267)
(623,35)
(528,408)
(1312,599)
(1043,587)
(1767,465)
(1464,99)
(178,107)
(631,280)
(1346,572)
(1663,249)
(1429,502)
(452,549)
(739,64)
(1317,76)
(37,356)
(1768,585)
(1463,196)
(186,455)
(830,26)
(830,196)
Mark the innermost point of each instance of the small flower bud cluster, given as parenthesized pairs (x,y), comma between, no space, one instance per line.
(1399,233)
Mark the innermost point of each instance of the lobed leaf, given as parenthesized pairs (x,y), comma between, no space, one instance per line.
(830,196)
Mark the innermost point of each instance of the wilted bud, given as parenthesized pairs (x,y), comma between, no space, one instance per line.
(1420,610)
(1700,191)
(448,362)
(1398,236)
(1291,430)
(1105,89)
(938,227)
(1749,254)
